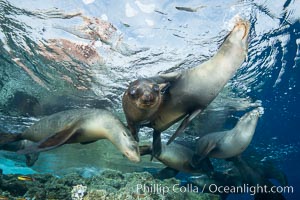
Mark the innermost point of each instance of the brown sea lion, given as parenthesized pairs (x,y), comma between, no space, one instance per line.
(77,126)
(192,90)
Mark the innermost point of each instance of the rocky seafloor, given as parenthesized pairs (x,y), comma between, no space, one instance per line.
(109,185)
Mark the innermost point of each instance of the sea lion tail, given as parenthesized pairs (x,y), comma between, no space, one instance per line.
(6,138)
(145,150)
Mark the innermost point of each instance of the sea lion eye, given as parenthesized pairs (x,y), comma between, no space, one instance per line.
(155,88)
(124,133)
(132,91)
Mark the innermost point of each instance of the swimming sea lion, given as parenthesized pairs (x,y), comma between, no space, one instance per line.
(227,144)
(192,90)
(252,176)
(77,126)
(19,145)
(141,101)
(243,171)
(177,158)
(266,169)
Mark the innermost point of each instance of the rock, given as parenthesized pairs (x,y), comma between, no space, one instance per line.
(108,185)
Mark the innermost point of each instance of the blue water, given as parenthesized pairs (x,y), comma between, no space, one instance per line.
(282,109)
(148,40)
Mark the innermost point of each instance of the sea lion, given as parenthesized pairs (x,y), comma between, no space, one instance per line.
(252,176)
(19,145)
(177,158)
(192,90)
(244,171)
(227,144)
(141,101)
(77,126)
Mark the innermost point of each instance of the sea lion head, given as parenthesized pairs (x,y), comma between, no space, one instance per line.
(240,33)
(129,146)
(250,119)
(145,93)
(122,138)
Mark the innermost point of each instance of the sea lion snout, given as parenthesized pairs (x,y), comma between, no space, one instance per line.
(147,97)
(256,113)
(129,146)
(240,31)
(132,152)
(147,100)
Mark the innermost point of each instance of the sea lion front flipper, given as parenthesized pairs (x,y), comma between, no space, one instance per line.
(202,154)
(183,125)
(52,141)
(208,148)
(134,129)
(89,142)
(170,77)
(163,87)
(166,173)
(164,78)
(156,145)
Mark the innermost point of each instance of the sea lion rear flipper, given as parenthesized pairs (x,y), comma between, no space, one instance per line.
(184,124)
(166,173)
(134,129)
(52,141)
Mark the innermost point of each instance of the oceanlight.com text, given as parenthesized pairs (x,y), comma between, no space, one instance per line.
(245,188)
(212,188)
